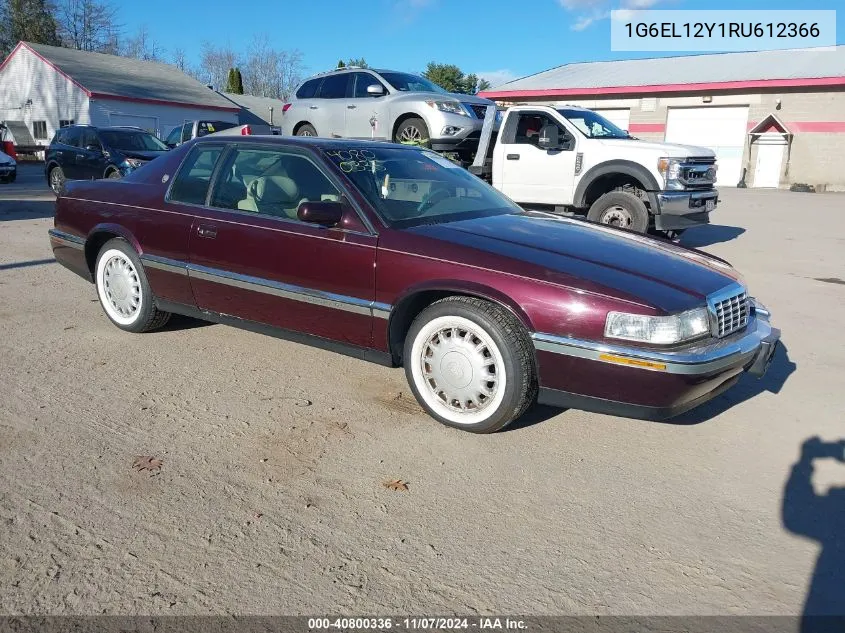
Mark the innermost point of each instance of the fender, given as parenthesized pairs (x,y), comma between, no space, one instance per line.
(92,240)
(626,167)
(458,287)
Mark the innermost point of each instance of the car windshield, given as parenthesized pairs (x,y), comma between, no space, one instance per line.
(410,187)
(405,82)
(592,125)
(132,140)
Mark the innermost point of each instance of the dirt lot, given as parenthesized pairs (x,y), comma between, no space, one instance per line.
(270,498)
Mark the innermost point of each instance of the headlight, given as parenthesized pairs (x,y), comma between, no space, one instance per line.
(660,330)
(670,169)
(134,163)
(452,107)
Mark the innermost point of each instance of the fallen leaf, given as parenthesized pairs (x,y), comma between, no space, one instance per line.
(145,462)
(396,484)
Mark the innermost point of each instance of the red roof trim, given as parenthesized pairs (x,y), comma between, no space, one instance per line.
(103,95)
(694,87)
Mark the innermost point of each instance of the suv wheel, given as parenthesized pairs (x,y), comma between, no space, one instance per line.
(306,130)
(413,131)
(113,175)
(57,180)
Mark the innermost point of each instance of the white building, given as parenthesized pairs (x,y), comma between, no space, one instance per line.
(47,87)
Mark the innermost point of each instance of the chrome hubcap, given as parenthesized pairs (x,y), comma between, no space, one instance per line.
(410,133)
(122,286)
(305,133)
(459,369)
(55,180)
(617,216)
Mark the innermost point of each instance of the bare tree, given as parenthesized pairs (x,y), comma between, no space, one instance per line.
(269,72)
(87,25)
(215,62)
(141,46)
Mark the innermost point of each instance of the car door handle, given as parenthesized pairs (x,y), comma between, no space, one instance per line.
(351,107)
(204,230)
(513,156)
(313,107)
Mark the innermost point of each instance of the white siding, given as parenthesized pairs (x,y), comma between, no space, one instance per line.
(26,77)
(161,117)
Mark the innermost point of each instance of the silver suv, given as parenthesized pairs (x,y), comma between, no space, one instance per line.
(386,105)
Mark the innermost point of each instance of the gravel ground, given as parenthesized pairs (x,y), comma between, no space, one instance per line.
(270,499)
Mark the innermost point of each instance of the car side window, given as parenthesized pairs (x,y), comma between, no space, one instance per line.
(175,136)
(187,129)
(269,182)
(90,139)
(308,89)
(73,137)
(191,183)
(528,128)
(334,86)
(362,81)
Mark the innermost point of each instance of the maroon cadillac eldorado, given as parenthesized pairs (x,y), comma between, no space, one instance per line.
(395,255)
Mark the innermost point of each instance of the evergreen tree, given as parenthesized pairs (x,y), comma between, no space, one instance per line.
(340,64)
(230,81)
(28,21)
(239,82)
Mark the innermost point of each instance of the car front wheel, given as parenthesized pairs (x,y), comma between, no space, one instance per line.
(57,180)
(306,130)
(622,209)
(470,365)
(123,289)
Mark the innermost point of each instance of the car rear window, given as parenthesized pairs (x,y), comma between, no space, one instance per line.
(210,127)
(308,89)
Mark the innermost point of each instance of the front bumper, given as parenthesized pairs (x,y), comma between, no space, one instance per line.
(645,383)
(466,138)
(683,209)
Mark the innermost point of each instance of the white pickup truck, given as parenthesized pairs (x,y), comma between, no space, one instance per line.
(570,159)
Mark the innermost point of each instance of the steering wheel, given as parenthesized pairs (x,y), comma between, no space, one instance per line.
(434,196)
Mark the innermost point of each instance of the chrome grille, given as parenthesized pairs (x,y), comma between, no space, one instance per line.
(731,313)
(480,111)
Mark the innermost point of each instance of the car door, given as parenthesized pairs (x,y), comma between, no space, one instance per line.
(165,236)
(66,154)
(327,113)
(365,111)
(529,174)
(90,161)
(250,257)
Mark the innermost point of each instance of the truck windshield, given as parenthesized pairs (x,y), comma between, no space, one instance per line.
(410,187)
(592,124)
(405,82)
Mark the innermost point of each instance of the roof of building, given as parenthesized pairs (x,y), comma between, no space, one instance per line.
(725,71)
(256,110)
(110,76)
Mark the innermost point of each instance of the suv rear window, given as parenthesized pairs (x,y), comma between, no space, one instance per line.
(308,89)
(334,86)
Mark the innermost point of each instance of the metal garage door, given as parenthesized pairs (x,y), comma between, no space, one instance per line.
(620,117)
(149,123)
(721,129)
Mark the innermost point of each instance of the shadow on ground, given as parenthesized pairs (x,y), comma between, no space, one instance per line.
(710,234)
(821,518)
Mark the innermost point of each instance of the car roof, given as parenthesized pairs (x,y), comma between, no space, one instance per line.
(304,141)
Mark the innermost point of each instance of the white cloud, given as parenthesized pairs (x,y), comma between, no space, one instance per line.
(588,12)
(497,77)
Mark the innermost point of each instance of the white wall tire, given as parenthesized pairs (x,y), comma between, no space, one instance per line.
(123,290)
(470,365)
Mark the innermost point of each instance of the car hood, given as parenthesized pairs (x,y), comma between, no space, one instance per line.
(141,154)
(596,258)
(672,150)
(442,96)
(5,159)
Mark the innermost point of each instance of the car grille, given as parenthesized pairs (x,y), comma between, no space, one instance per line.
(480,111)
(731,314)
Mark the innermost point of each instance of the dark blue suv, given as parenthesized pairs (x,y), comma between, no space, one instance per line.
(84,152)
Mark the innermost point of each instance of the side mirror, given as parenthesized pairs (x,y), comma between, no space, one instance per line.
(322,213)
(375,90)
(549,137)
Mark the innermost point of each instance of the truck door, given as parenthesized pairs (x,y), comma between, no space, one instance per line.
(528,174)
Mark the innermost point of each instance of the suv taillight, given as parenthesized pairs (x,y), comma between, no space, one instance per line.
(286,107)
(246,131)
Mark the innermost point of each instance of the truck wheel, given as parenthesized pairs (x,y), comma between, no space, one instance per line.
(413,131)
(306,130)
(618,208)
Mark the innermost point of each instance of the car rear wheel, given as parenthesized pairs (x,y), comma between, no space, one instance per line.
(470,365)
(123,289)
(113,175)
(622,209)
(306,130)
(413,131)
(57,180)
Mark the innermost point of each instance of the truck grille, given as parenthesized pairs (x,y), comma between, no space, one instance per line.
(731,313)
(480,111)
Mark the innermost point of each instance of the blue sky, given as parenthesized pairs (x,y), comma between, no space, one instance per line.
(499,39)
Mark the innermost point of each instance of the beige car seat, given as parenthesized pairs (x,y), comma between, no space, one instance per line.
(271,195)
